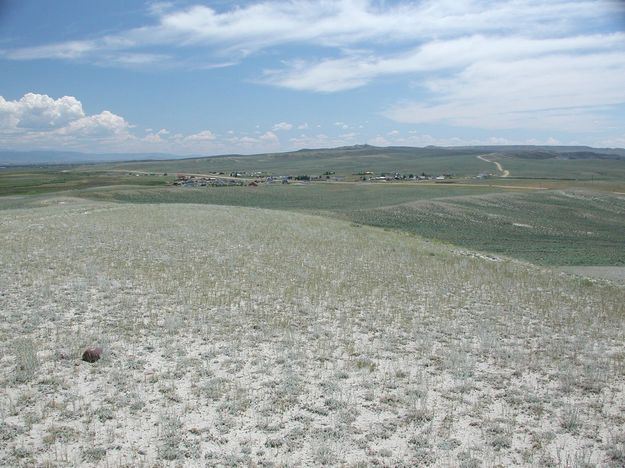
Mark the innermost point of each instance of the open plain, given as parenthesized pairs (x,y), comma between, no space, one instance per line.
(332,318)
(237,336)
(300,233)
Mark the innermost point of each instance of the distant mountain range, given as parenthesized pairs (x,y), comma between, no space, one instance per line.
(22,158)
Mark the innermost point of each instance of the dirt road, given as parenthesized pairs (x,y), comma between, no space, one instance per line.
(504,172)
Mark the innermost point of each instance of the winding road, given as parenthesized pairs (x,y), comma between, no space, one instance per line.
(504,172)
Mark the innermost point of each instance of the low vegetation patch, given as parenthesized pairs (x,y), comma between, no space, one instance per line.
(239,336)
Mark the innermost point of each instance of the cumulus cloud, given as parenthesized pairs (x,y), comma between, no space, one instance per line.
(322,140)
(40,121)
(104,124)
(269,137)
(39,112)
(205,135)
(282,126)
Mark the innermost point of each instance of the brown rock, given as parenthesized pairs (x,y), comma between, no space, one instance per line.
(92,354)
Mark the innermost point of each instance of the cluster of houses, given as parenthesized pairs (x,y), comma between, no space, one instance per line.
(369,176)
(247,174)
(243,178)
(143,174)
(204,181)
(254,179)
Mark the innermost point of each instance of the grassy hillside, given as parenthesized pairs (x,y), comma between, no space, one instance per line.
(35,180)
(548,227)
(461,162)
(244,336)
(557,227)
(581,169)
(315,197)
(343,161)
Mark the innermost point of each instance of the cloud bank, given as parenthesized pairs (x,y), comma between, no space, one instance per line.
(38,121)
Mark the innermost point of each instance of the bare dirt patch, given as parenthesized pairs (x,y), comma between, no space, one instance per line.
(504,172)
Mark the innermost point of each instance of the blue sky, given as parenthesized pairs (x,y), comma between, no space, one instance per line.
(214,77)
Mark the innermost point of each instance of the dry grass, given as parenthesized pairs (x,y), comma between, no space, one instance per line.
(236,336)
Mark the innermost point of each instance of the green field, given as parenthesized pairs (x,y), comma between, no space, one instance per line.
(552,227)
(578,169)
(547,227)
(30,181)
(322,197)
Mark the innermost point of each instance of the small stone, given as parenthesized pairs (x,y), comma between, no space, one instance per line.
(92,354)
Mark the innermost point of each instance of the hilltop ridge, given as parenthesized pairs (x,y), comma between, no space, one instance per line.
(43,157)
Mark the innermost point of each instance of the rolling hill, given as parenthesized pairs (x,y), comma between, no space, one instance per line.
(584,163)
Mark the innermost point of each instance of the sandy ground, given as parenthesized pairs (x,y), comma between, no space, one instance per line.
(247,337)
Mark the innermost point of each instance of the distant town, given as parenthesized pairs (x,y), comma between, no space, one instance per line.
(255,178)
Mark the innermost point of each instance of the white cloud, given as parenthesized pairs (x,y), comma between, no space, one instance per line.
(239,31)
(379,141)
(282,126)
(205,135)
(321,140)
(158,8)
(563,83)
(63,50)
(504,64)
(39,112)
(414,138)
(260,142)
(157,137)
(451,55)
(104,124)
(270,137)
(152,138)
(40,121)
(558,92)
(61,123)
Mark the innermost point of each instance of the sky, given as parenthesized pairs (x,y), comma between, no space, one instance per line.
(219,77)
